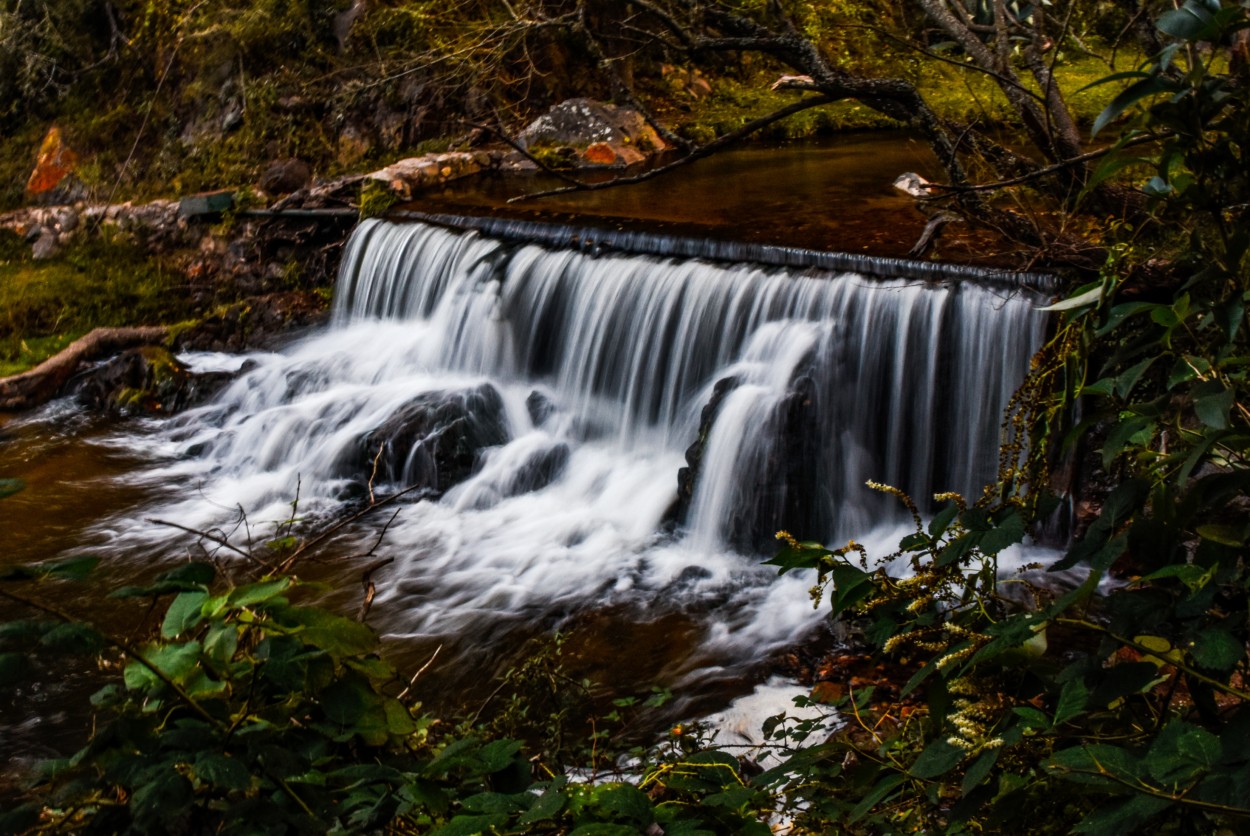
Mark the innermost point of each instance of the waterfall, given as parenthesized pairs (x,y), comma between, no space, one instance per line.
(601,425)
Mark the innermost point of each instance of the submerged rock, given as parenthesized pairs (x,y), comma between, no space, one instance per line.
(435,439)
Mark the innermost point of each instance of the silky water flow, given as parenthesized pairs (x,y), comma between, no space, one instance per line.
(550,400)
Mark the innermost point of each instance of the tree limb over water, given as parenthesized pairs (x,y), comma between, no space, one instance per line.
(42,383)
(1015,47)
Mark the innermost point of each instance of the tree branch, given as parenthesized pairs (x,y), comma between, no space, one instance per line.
(696,153)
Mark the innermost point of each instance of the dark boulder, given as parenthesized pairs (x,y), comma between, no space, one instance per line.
(435,440)
(782,470)
(688,476)
(591,133)
(543,468)
(144,381)
(285,177)
(787,484)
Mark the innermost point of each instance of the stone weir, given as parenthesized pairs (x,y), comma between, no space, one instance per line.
(597,240)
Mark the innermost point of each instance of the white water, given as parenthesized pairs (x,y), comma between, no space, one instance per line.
(583,380)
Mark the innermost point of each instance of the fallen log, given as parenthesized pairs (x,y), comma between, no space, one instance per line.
(42,383)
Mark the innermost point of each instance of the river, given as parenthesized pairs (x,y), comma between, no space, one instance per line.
(549,396)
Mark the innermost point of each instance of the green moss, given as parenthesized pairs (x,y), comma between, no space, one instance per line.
(376,199)
(45,305)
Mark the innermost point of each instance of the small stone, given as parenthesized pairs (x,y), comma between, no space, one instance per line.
(45,245)
(67,220)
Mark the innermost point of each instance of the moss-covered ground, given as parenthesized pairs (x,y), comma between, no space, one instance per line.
(45,305)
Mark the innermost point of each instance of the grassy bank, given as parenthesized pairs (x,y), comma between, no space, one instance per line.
(45,305)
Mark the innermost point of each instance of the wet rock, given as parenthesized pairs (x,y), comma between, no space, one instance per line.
(539,407)
(594,133)
(145,381)
(688,476)
(259,322)
(408,177)
(435,439)
(541,470)
(285,176)
(787,490)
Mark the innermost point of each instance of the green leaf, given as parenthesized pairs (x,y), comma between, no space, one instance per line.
(8,487)
(221,642)
(850,586)
(71,569)
(340,637)
(979,771)
(1122,434)
(1125,817)
(1212,401)
(1127,381)
(14,668)
(197,573)
(879,793)
(183,614)
(1189,23)
(942,520)
(1089,298)
(545,808)
(21,819)
(1072,701)
(160,799)
(175,661)
(257,593)
(494,802)
(623,803)
(1130,96)
(73,638)
(806,556)
(1216,650)
(938,758)
(472,825)
(221,771)
(1201,747)
(1007,532)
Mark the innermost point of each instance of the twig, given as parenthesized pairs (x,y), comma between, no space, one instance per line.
(212,538)
(423,669)
(285,566)
(1050,169)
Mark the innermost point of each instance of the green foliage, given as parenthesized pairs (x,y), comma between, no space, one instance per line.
(247,711)
(376,199)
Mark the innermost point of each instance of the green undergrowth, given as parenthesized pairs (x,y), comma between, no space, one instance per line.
(104,281)
(955,93)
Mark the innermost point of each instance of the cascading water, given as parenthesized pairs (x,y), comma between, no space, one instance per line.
(549,395)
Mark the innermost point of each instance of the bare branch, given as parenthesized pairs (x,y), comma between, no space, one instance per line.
(696,153)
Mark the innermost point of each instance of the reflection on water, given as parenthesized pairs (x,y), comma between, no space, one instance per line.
(832,194)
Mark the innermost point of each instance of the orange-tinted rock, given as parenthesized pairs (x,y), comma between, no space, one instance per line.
(56,162)
(828,692)
(599,153)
